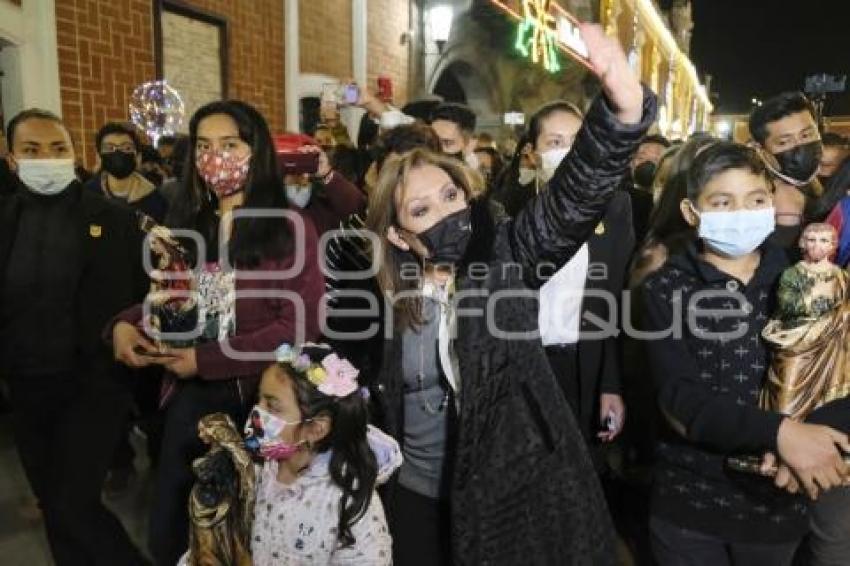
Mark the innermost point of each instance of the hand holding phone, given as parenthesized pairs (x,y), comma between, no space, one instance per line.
(385,89)
(350,94)
(142,351)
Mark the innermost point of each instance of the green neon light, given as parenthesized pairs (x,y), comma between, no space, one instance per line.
(535,41)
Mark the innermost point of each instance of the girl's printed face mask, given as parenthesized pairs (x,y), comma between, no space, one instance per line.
(223,172)
(263,436)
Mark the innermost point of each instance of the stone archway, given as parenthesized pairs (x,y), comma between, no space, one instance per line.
(460,81)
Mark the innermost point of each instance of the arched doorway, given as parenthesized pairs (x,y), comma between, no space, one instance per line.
(460,82)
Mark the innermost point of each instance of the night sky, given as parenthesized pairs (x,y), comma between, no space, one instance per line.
(758,48)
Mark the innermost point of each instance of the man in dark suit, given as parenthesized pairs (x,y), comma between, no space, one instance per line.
(69,261)
(638,181)
(581,340)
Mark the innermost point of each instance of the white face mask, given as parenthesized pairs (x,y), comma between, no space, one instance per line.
(551,159)
(527,175)
(472,160)
(298,195)
(46,176)
(738,232)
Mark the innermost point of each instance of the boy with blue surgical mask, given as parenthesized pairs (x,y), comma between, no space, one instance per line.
(707,308)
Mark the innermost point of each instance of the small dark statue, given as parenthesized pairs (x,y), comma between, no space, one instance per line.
(172,298)
(221,505)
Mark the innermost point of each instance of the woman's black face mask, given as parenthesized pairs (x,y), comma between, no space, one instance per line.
(447,240)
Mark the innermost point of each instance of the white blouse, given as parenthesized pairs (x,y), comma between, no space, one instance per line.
(297,524)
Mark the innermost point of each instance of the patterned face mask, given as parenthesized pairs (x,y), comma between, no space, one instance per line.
(262,436)
(224,173)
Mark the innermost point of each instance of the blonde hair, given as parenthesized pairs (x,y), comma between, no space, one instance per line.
(382,215)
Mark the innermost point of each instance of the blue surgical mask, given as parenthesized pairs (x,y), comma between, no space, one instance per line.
(738,232)
(299,195)
(46,176)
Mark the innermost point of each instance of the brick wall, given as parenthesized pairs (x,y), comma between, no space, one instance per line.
(256,53)
(388,20)
(325,45)
(191,53)
(106,50)
(325,42)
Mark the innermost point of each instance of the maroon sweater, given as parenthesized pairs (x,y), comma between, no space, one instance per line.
(340,199)
(263,322)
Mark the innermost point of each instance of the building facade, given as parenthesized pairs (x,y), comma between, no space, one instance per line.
(84,58)
(488,61)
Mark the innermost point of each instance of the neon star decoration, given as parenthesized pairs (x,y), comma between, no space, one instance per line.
(537,35)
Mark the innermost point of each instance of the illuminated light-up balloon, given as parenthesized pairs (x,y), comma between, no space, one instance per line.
(156,108)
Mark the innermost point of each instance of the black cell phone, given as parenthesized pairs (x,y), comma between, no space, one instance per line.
(609,424)
(142,352)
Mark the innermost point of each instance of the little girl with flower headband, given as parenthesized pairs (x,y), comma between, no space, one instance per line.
(316,501)
(315,489)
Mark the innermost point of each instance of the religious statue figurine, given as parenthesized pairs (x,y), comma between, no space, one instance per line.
(810,333)
(221,505)
(172,301)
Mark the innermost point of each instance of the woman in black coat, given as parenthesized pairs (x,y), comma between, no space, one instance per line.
(495,469)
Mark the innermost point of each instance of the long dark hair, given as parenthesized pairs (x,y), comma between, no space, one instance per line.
(353,466)
(666,218)
(195,207)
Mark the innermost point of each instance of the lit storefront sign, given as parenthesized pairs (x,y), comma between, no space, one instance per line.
(544,31)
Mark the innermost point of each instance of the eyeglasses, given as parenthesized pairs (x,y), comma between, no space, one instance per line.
(124,147)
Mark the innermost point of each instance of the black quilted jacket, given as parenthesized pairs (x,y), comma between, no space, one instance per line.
(523,490)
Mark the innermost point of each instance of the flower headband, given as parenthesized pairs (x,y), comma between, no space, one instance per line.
(334,376)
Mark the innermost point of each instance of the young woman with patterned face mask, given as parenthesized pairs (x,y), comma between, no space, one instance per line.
(232,169)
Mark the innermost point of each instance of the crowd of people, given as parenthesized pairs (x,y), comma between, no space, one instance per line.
(419,349)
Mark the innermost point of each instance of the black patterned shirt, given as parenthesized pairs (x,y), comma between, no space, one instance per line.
(708,370)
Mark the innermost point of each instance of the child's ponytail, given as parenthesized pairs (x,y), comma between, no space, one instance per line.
(352,466)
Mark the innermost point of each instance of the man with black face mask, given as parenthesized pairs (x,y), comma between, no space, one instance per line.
(454,124)
(785,131)
(119,151)
(119,179)
(639,181)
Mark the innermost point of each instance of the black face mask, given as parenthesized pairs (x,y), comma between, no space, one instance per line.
(801,162)
(447,240)
(644,174)
(118,164)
